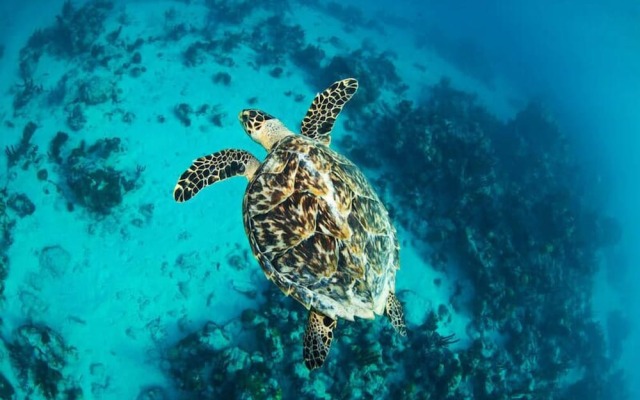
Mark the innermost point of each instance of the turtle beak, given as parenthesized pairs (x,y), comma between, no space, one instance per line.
(244,118)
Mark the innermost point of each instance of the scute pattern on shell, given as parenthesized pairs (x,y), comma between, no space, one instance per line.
(319,230)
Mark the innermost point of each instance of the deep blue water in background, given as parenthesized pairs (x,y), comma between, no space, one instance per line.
(583,59)
(580,56)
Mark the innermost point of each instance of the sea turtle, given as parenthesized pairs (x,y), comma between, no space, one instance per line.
(314,223)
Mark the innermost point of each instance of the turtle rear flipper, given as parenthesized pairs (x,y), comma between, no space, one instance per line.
(324,110)
(213,168)
(317,339)
(395,314)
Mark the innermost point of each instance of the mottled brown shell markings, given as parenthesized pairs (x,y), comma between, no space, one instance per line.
(309,180)
(344,195)
(351,262)
(330,223)
(274,187)
(352,177)
(378,249)
(318,158)
(371,214)
(286,225)
(320,230)
(315,258)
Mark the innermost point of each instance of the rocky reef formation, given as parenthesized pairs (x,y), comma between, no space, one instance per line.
(73,36)
(39,356)
(247,358)
(90,177)
(504,202)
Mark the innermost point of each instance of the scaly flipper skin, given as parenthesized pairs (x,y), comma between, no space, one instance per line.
(395,314)
(213,168)
(324,110)
(317,339)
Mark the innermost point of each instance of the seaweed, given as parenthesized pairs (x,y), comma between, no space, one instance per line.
(27,91)
(6,389)
(222,77)
(57,95)
(276,72)
(77,30)
(137,44)
(24,147)
(37,354)
(183,112)
(224,12)
(114,35)
(21,205)
(192,56)
(176,32)
(55,146)
(99,190)
(308,58)
(76,119)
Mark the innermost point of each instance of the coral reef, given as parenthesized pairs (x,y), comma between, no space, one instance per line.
(243,358)
(76,119)
(20,203)
(78,35)
(183,112)
(54,260)
(4,272)
(98,188)
(25,92)
(518,229)
(57,95)
(6,225)
(223,12)
(55,147)
(223,78)
(152,393)
(89,179)
(73,36)
(6,389)
(77,29)
(39,356)
(96,90)
(374,70)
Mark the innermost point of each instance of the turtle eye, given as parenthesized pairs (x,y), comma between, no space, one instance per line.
(244,117)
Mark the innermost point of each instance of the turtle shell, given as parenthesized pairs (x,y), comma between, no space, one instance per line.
(319,231)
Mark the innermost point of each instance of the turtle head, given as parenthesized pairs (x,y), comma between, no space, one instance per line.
(262,127)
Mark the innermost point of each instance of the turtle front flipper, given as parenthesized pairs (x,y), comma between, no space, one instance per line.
(317,339)
(324,110)
(395,314)
(213,168)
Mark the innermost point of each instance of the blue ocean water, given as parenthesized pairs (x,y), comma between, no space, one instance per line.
(502,138)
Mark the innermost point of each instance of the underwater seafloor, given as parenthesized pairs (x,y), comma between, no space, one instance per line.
(111,290)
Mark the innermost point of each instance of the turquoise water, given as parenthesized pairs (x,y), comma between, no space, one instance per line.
(502,138)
